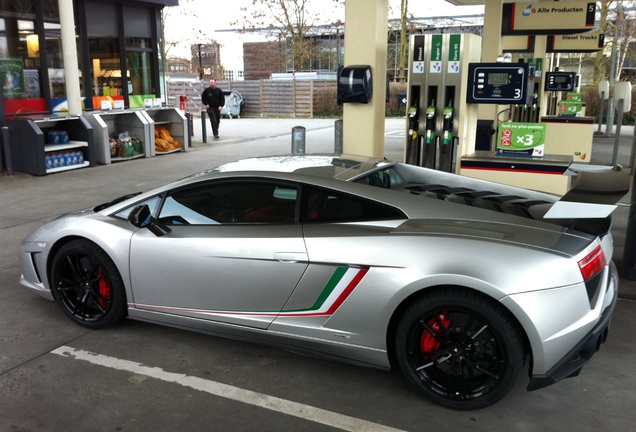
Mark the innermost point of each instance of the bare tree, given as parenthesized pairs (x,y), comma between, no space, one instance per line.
(169,17)
(618,22)
(291,20)
(404,22)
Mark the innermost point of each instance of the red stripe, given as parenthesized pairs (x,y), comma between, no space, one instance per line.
(348,290)
(512,20)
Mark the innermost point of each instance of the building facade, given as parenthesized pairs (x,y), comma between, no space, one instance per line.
(118,50)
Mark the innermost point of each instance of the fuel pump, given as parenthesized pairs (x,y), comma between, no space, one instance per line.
(412,145)
(430,144)
(438,64)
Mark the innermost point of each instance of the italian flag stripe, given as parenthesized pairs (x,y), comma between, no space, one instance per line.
(341,284)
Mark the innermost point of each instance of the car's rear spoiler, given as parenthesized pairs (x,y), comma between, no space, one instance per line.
(594,194)
(592,198)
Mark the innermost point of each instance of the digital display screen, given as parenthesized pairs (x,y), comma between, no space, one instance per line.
(497,79)
(497,83)
(560,79)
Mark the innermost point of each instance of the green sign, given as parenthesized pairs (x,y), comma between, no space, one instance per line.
(436,54)
(521,139)
(454,53)
(570,107)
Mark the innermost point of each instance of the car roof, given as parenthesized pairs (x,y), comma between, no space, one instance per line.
(342,167)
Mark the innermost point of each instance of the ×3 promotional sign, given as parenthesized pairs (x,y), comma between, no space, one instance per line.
(521,139)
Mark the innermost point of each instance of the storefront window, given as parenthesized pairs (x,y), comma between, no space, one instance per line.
(106,67)
(20,67)
(55,60)
(138,59)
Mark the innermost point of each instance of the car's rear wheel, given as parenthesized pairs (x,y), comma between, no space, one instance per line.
(459,348)
(87,286)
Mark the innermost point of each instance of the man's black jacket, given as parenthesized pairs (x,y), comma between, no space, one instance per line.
(213,97)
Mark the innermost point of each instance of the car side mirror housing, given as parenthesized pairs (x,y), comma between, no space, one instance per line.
(355,84)
(141,217)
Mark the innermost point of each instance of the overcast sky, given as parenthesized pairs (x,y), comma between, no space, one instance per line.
(213,17)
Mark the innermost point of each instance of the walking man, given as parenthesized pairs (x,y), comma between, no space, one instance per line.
(213,100)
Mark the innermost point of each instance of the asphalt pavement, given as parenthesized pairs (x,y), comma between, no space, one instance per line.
(43,387)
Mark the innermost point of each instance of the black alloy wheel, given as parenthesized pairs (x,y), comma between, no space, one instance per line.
(87,286)
(459,348)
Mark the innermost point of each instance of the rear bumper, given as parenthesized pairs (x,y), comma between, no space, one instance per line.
(572,363)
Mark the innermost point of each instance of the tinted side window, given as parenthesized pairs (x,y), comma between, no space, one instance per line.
(231,203)
(386,178)
(322,205)
(152,203)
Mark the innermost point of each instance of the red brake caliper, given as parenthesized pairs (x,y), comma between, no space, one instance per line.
(428,342)
(104,289)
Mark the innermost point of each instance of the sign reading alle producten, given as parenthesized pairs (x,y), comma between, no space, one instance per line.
(548,17)
(521,139)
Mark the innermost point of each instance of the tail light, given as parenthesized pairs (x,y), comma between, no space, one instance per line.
(592,263)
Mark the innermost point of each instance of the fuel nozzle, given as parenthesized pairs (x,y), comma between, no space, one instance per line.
(430,123)
(448,114)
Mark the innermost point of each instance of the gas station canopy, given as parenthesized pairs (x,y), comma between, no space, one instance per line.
(467,2)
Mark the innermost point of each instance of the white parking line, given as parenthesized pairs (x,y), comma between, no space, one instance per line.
(305,412)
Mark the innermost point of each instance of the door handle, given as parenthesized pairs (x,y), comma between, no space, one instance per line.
(291,257)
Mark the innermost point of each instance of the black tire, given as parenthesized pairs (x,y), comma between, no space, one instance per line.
(87,286)
(459,348)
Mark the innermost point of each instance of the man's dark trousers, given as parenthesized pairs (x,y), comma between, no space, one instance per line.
(215,119)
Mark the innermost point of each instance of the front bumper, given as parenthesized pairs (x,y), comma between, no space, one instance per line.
(572,363)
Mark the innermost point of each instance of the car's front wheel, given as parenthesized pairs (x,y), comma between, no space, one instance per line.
(87,286)
(459,348)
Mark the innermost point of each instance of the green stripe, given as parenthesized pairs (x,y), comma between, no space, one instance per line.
(331,285)
(333,282)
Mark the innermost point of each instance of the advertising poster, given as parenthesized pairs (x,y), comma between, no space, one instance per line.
(12,75)
(521,139)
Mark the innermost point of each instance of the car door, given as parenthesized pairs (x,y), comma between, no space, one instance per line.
(235,253)
(344,236)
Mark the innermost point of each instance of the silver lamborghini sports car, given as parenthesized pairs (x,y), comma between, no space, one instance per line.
(454,280)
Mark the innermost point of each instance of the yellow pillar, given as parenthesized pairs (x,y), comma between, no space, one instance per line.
(69,48)
(491,47)
(366,29)
(491,37)
(540,45)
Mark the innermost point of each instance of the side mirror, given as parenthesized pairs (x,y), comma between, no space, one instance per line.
(355,84)
(141,217)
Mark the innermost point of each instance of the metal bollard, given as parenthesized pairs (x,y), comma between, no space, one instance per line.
(7,150)
(190,126)
(337,146)
(298,140)
(204,132)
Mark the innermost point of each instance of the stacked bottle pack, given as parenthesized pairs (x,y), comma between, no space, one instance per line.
(63,159)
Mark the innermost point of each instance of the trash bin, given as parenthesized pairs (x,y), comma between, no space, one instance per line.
(298,140)
(233,103)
